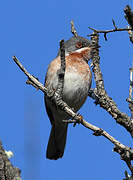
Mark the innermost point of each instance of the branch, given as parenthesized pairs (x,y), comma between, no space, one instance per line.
(105,32)
(129,15)
(119,147)
(34,81)
(49,93)
(103,99)
(7,171)
(109,31)
(73,30)
(116,29)
(61,71)
(129,18)
(130,34)
(128,177)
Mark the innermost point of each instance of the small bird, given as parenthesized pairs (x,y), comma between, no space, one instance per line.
(77,82)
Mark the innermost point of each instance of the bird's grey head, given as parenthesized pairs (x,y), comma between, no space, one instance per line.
(75,43)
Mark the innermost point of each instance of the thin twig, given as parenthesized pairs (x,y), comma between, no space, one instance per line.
(114,24)
(30,77)
(105,32)
(73,30)
(129,18)
(129,166)
(109,31)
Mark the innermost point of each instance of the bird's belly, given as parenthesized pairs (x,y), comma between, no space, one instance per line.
(75,90)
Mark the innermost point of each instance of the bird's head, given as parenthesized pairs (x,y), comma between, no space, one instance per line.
(80,46)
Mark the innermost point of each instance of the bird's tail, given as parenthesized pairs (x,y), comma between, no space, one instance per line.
(57,141)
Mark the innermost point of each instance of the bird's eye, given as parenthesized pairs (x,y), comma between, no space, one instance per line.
(78,45)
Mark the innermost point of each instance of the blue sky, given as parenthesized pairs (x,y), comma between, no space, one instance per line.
(31,30)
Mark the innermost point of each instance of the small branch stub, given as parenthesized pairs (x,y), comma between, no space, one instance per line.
(114,24)
(73,30)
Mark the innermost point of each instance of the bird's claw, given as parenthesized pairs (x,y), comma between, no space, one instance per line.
(78,121)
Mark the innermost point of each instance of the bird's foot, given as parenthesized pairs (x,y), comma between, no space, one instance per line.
(77,121)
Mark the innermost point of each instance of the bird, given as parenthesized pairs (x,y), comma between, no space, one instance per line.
(77,82)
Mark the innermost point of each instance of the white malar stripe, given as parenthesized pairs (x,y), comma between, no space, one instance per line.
(81,49)
(78,50)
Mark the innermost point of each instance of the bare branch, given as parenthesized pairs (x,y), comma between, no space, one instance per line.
(109,31)
(61,71)
(103,99)
(105,32)
(128,177)
(129,15)
(73,30)
(97,131)
(129,166)
(99,93)
(78,118)
(129,18)
(50,94)
(30,77)
(100,132)
(125,152)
